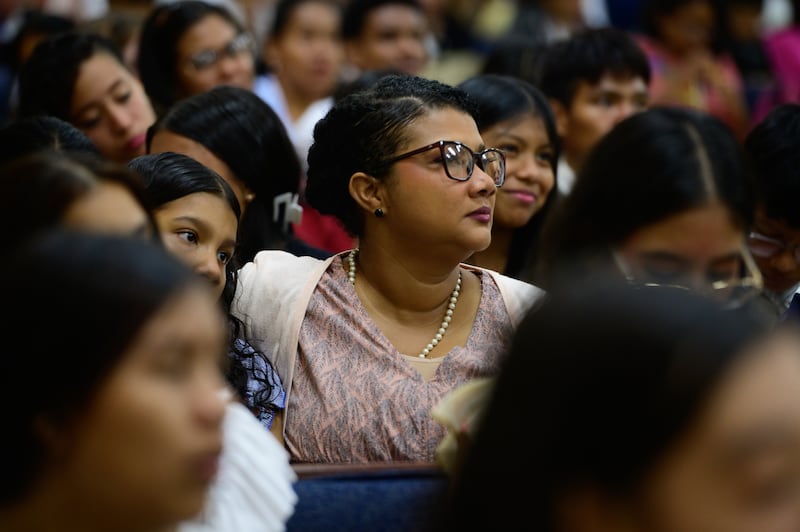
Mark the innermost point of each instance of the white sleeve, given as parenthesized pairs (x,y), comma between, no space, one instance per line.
(254,490)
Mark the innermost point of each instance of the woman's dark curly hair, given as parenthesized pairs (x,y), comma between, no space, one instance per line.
(362,131)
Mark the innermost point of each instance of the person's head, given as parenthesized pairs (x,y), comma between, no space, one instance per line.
(378,165)
(131,425)
(773,146)
(40,132)
(665,197)
(515,117)
(196,212)
(638,410)
(37,25)
(682,26)
(233,132)
(514,55)
(385,34)
(80,78)
(594,79)
(304,48)
(191,46)
(48,189)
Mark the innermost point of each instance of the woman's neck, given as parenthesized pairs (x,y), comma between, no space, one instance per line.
(495,257)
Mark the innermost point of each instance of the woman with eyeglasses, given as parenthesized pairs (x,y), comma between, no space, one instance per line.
(82,79)
(367,341)
(191,46)
(665,198)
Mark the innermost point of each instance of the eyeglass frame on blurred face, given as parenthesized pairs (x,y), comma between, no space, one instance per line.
(779,246)
(749,281)
(456,148)
(205,59)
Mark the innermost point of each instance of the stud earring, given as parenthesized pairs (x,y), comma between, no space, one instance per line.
(378,213)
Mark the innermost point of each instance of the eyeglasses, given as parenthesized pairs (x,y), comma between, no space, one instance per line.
(764,246)
(459,161)
(207,58)
(732,293)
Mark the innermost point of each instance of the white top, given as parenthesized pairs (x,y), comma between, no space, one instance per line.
(254,490)
(566,176)
(301,131)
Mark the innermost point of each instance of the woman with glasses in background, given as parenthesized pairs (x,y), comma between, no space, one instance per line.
(665,198)
(189,47)
(367,341)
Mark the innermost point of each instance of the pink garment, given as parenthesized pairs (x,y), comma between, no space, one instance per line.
(357,399)
(783,51)
(696,94)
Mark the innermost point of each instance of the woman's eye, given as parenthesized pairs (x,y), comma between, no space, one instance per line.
(89,122)
(509,149)
(224,257)
(124,97)
(546,156)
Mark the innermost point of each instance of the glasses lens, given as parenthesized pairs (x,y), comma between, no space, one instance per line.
(762,246)
(238,45)
(204,59)
(494,164)
(458,160)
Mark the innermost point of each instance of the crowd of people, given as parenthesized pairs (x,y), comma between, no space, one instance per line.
(375,232)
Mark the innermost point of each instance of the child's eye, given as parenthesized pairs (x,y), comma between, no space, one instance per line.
(189,236)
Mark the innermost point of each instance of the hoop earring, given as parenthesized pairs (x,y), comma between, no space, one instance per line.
(378,213)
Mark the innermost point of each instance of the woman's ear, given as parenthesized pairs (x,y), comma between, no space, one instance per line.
(367,191)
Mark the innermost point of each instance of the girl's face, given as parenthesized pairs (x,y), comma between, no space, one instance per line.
(530,158)
(693,249)
(110,106)
(425,208)
(200,229)
(155,425)
(213,52)
(308,55)
(737,469)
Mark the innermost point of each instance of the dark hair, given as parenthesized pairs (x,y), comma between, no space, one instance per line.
(248,136)
(650,166)
(169,176)
(587,56)
(654,10)
(364,129)
(157,59)
(40,132)
(514,55)
(41,186)
(38,24)
(83,294)
(284,10)
(500,98)
(610,377)
(773,146)
(357,11)
(47,79)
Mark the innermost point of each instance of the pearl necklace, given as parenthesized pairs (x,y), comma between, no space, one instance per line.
(448,316)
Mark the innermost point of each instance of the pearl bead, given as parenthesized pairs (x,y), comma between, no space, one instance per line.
(448,316)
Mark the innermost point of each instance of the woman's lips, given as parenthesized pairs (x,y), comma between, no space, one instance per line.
(136,142)
(523,196)
(484,214)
